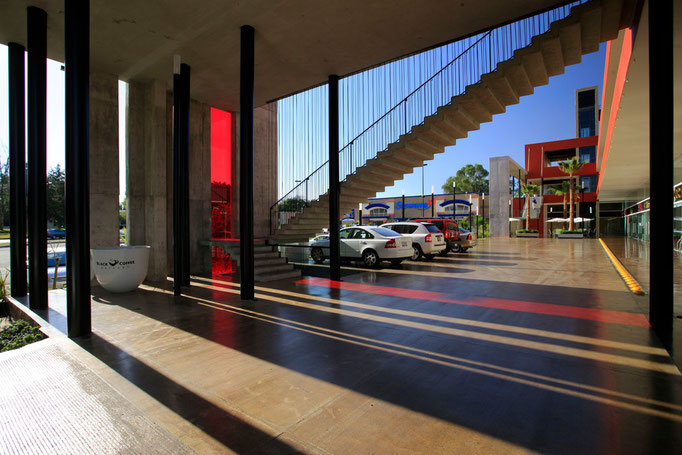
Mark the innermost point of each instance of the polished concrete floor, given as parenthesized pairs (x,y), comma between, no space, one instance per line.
(521,345)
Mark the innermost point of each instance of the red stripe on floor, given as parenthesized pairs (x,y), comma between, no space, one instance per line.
(592,314)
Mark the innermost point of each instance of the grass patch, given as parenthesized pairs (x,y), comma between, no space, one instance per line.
(18,334)
(566,231)
(527,231)
(4,233)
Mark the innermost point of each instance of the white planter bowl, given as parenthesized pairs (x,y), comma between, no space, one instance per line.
(120,269)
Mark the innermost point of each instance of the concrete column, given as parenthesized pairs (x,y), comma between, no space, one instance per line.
(499,196)
(265,171)
(199,186)
(104,184)
(147,173)
(135,165)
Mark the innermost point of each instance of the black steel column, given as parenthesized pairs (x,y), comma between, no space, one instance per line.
(17,169)
(77,77)
(37,156)
(178,181)
(184,169)
(661,113)
(246,103)
(334,246)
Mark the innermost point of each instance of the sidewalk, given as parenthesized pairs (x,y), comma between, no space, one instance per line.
(53,402)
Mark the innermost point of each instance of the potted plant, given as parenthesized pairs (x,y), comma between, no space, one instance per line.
(529,190)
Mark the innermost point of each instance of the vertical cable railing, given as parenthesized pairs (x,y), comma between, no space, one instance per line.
(362,95)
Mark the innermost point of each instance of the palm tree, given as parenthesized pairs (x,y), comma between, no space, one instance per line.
(570,167)
(562,191)
(529,190)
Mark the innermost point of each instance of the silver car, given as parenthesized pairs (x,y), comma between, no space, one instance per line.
(369,244)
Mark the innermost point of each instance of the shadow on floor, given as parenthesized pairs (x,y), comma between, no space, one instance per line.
(419,370)
(230,430)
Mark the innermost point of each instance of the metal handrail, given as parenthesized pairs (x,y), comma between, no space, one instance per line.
(404,100)
(486,54)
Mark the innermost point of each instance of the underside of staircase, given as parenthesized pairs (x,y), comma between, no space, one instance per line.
(567,40)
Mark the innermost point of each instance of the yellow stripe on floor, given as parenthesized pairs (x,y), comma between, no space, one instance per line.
(630,281)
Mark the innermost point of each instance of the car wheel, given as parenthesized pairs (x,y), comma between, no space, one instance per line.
(463,250)
(429,257)
(317,255)
(370,258)
(445,252)
(416,252)
(396,261)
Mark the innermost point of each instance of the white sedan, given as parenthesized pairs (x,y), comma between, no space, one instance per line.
(427,239)
(369,244)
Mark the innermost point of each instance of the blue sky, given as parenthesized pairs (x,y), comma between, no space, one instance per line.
(546,115)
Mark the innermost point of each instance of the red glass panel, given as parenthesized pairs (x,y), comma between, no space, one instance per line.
(221,179)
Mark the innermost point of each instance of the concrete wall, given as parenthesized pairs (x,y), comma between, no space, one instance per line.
(199,184)
(147,174)
(264,169)
(104,184)
(499,196)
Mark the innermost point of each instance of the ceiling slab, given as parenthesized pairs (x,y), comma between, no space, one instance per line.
(298,43)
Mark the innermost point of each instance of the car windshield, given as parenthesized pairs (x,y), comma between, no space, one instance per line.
(385,232)
(432,228)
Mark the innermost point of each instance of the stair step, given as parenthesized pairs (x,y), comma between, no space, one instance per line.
(552,55)
(535,68)
(275,268)
(269,262)
(571,47)
(590,30)
(267,255)
(262,249)
(279,276)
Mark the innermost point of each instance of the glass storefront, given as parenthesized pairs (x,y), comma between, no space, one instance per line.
(221,189)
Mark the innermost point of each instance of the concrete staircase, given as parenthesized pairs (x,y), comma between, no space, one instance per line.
(548,54)
(270,266)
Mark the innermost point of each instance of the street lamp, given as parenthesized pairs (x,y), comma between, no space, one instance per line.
(423,166)
(483,209)
(360,212)
(403,217)
(433,203)
(470,228)
(454,195)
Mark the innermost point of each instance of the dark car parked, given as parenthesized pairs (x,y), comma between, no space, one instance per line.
(56,233)
(448,227)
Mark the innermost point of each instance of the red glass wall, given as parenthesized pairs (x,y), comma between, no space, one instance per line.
(221,180)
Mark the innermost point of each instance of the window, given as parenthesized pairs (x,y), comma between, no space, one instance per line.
(438,223)
(589,183)
(588,154)
(378,212)
(432,228)
(385,232)
(344,234)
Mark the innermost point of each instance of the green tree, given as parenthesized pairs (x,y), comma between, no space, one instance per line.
(471,178)
(294,204)
(529,190)
(570,167)
(56,184)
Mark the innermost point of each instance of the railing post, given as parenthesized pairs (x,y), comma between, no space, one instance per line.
(77,102)
(661,142)
(246,103)
(17,160)
(334,246)
(37,156)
